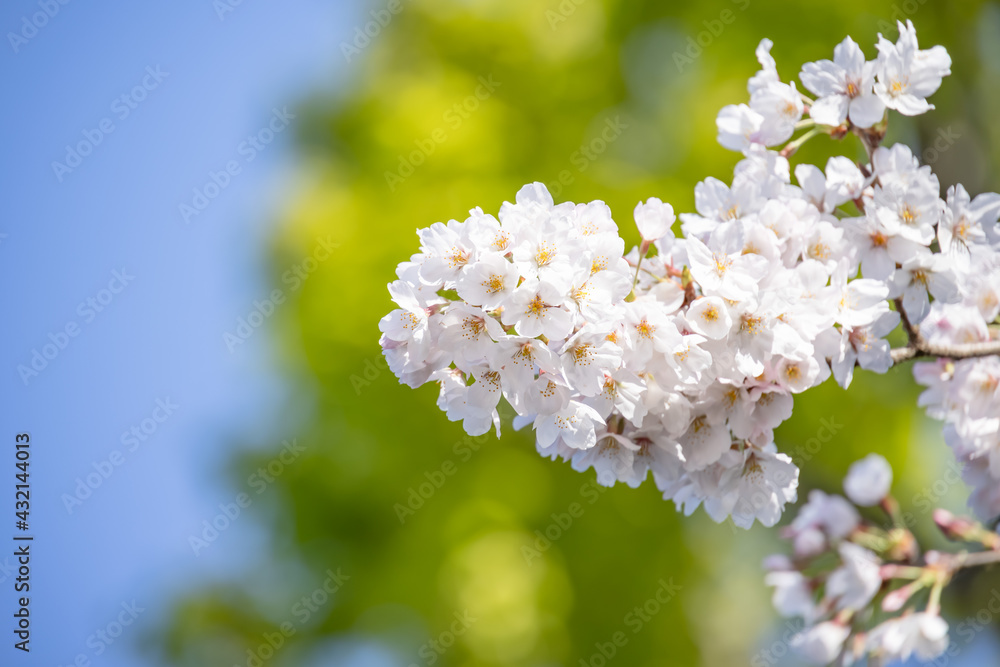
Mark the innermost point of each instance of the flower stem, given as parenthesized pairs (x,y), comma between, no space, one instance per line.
(978,558)
(793,146)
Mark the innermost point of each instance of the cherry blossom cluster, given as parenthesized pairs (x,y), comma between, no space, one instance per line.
(682,356)
(850,91)
(863,588)
(965,393)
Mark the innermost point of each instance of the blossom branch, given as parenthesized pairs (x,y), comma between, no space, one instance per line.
(920,347)
(966,351)
(979,558)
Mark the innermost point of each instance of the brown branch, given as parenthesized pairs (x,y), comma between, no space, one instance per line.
(966,351)
(979,558)
(919,347)
(912,332)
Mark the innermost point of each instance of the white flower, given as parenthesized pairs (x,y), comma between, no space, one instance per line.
(710,317)
(854,584)
(597,296)
(474,405)
(470,331)
(488,282)
(823,520)
(587,360)
(612,458)
(864,346)
(730,276)
(623,392)
(909,212)
(718,204)
(654,219)
(922,274)
(923,634)
(739,127)
(753,339)
(844,87)
(546,255)
(792,594)
(535,309)
(879,248)
(860,302)
(546,395)
(843,182)
(907,75)
(765,483)
(868,481)
(447,252)
(822,643)
(780,106)
(797,376)
(408,322)
(574,425)
(649,330)
(704,443)
(768,73)
(966,222)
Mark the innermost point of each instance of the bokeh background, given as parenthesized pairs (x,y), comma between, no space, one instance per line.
(255,312)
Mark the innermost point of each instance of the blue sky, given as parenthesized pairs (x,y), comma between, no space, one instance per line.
(162,95)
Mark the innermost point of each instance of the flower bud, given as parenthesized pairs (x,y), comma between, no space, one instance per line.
(654,219)
(868,480)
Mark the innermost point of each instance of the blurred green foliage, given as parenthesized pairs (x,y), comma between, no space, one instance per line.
(559,72)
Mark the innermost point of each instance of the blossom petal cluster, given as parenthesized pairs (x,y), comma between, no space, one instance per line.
(680,357)
(850,90)
(965,393)
(843,568)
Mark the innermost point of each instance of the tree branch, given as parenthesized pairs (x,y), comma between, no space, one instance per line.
(912,332)
(919,347)
(966,351)
(979,558)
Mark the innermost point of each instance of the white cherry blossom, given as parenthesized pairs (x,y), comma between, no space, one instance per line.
(844,87)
